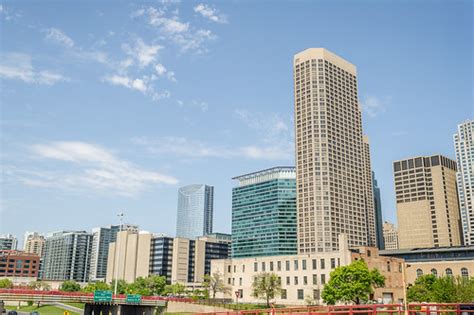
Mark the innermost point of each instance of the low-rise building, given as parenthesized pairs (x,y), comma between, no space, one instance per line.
(439,261)
(303,276)
(17,264)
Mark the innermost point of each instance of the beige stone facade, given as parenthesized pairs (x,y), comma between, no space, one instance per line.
(390,235)
(330,159)
(303,276)
(34,243)
(440,268)
(130,255)
(427,202)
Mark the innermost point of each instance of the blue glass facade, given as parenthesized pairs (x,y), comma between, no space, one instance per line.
(378,214)
(195,211)
(264,214)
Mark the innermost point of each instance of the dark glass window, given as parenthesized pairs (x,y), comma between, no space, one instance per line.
(434,160)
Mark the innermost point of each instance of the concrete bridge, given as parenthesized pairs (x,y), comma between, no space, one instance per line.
(118,305)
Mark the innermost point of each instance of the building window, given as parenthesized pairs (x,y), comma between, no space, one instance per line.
(296,264)
(235,268)
(296,280)
(240,281)
(303,264)
(464,273)
(233,281)
(283,294)
(243,268)
(255,266)
(316,295)
(263,266)
(228,281)
(419,273)
(287,280)
(323,279)
(434,272)
(287,265)
(271,265)
(400,267)
(315,279)
(305,280)
(333,263)
(369,253)
(300,294)
(449,272)
(279,265)
(241,293)
(322,264)
(388,266)
(314,264)
(228,268)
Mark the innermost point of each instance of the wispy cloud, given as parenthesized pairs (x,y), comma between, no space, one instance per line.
(210,13)
(373,106)
(92,168)
(58,36)
(17,66)
(142,53)
(134,84)
(203,106)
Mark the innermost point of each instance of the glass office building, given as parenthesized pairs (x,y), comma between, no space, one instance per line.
(378,214)
(195,211)
(264,213)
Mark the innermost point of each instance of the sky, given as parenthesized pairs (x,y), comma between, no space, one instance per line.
(111,106)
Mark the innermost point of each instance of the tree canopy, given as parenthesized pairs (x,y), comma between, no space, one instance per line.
(266,286)
(352,283)
(6,284)
(447,289)
(70,286)
(215,283)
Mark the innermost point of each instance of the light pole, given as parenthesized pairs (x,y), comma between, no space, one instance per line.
(117,253)
(405,302)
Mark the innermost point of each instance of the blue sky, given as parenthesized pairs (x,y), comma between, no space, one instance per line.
(111,106)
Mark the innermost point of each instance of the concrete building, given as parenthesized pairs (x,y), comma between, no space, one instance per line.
(180,260)
(129,256)
(8,242)
(371,215)
(195,211)
(101,238)
(34,243)
(264,213)
(427,202)
(378,214)
(67,256)
(464,146)
(331,157)
(303,276)
(439,261)
(16,264)
(390,235)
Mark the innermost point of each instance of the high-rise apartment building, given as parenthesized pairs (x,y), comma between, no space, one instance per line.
(378,214)
(427,202)
(101,238)
(332,184)
(464,146)
(264,213)
(390,235)
(195,211)
(8,242)
(34,243)
(67,256)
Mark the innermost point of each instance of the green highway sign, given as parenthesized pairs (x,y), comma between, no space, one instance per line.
(102,296)
(133,298)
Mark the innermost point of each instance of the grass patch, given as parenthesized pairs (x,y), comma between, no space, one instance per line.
(43,310)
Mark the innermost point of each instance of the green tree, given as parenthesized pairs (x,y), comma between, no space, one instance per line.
(96,286)
(122,286)
(70,286)
(39,285)
(422,289)
(266,286)
(353,283)
(215,283)
(152,285)
(6,284)
(447,289)
(175,289)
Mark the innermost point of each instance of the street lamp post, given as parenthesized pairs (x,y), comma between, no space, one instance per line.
(117,254)
(405,302)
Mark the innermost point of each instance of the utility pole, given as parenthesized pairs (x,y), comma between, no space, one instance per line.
(117,253)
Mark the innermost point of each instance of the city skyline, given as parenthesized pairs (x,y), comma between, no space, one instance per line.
(55,158)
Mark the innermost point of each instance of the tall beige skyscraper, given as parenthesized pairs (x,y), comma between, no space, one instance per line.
(34,243)
(427,202)
(330,154)
(390,235)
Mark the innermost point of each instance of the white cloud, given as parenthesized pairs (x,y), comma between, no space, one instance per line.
(17,66)
(134,84)
(373,106)
(92,167)
(59,37)
(142,53)
(162,71)
(210,13)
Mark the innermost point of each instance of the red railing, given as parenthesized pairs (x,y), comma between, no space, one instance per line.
(369,309)
(82,294)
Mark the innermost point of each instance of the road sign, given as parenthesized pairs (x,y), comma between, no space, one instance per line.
(133,298)
(237,294)
(102,296)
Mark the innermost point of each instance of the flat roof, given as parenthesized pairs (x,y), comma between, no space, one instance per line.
(265,171)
